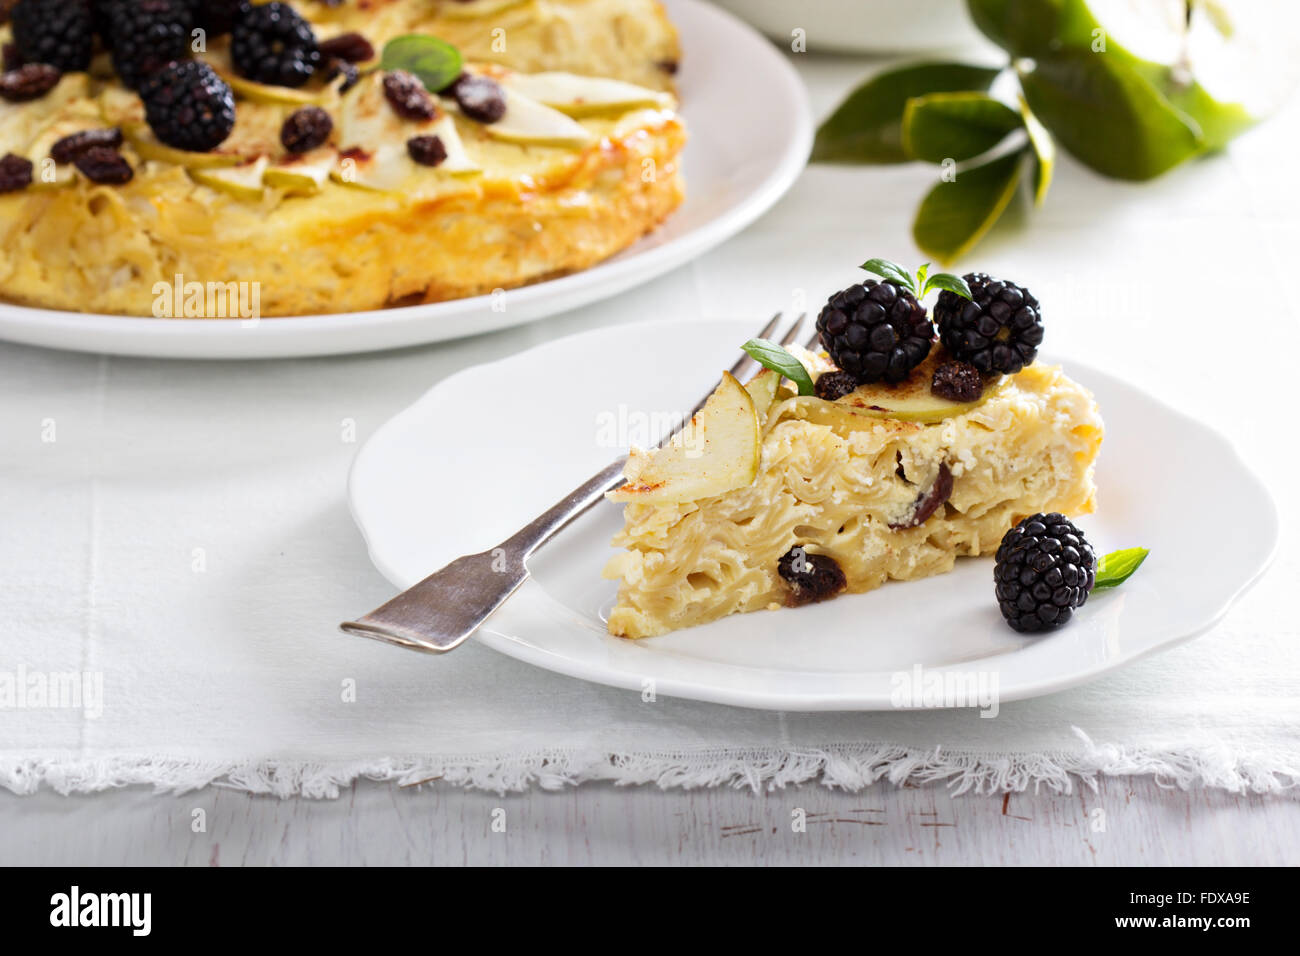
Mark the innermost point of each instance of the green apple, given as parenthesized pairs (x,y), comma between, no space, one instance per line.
(302,175)
(458,161)
(243,182)
(267,93)
(373,139)
(718,451)
(140,136)
(529,123)
(909,401)
(577,95)
(762,390)
(385,169)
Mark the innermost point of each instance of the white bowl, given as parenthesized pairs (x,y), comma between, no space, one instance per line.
(862,26)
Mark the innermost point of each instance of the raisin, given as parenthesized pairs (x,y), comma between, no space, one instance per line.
(102,165)
(409,99)
(812,577)
(833,385)
(480,98)
(426,150)
(305,129)
(28,82)
(928,501)
(352,47)
(70,147)
(957,382)
(15,173)
(335,68)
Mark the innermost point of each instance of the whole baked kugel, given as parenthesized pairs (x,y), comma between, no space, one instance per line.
(553,144)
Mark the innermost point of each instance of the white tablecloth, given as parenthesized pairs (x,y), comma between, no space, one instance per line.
(181,530)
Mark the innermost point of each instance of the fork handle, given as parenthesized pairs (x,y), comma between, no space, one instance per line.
(444,609)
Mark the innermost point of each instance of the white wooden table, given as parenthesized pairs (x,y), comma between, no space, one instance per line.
(1125,821)
(1132,822)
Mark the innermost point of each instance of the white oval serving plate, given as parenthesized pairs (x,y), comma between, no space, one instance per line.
(750,130)
(492,446)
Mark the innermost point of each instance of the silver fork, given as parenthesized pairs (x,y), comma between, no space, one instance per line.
(444,609)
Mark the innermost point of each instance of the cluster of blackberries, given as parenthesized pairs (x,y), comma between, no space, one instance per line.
(187,105)
(877,331)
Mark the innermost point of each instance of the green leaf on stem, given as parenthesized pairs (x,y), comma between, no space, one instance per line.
(956,126)
(1044,149)
(1033,28)
(947,283)
(867,126)
(955,215)
(891,271)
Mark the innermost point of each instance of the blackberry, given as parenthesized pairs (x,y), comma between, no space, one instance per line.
(998,329)
(57,32)
(216,16)
(1045,569)
(957,382)
(875,331)
(272,43)
(188,106)
(812,577)
(305,129)
(833,385)
(147,35)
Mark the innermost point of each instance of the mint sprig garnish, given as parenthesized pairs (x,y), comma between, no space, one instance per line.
(1118,566)
(436,62)
(920,284)
(770,355)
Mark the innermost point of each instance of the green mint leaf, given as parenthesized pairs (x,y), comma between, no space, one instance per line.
(1118,566)
(891,271)
(921,282)
(955,215)
(947,282)
(867,126)
(945,127)
(436,62)
(770,355)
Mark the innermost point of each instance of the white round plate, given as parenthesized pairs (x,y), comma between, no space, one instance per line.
(750,130)
(492,446)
